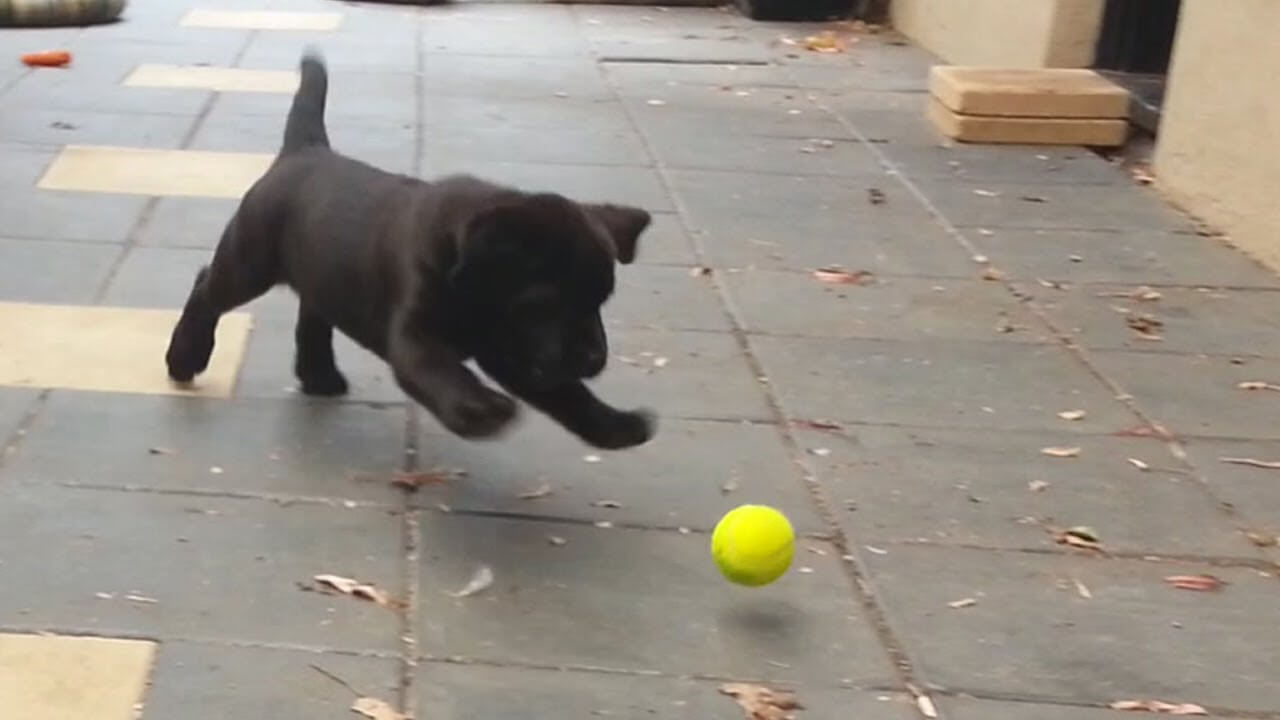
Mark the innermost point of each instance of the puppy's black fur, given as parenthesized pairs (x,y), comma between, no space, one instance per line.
(426,275)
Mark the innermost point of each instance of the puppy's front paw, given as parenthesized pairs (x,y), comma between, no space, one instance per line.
(478,415)
(623,430)
(188,353)
(323,384)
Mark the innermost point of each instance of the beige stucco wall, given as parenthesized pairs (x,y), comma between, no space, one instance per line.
(1006,33)
(1218,150)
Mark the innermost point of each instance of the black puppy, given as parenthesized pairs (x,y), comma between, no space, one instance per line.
(426,275)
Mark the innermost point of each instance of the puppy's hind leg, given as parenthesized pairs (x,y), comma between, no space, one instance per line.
(314,364)
(242,270)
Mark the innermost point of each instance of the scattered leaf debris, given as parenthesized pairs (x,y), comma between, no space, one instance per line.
(376,709)
(729,486)
(422,478)
(557,541)
(1262,539)
(875,196)
(591,458)
(963,603)
(1139,464)
(1251,462)
(826,41)
(840,276)
(699,271)
(1159,706)
(1072,414)
(656,103)
(1082,590)
(603,524)
(354,588)
(1142,293)
(160,451)
(761,703)
(1061,452)
(1142,174)
(1034,199)
(478,583)
(1081,536)
(993,274)
(611,504)
(1147,326)
(1199,583)
(986,193)
(1037,485)
(925,704)
(1257,385)
(819,424)
(541,491)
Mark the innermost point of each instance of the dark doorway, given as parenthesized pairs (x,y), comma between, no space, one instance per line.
(1134,48)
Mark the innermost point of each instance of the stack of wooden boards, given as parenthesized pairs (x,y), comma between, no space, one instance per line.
(1028,106)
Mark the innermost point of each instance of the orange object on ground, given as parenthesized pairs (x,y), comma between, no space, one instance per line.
(47,58)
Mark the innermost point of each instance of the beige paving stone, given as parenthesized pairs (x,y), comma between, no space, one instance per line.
(1027,130)
(218,79)
(262,19)
(1053,92)
(143,171)
(109,349)
(45,677)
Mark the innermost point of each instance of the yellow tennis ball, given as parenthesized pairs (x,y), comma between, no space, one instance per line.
(753,545)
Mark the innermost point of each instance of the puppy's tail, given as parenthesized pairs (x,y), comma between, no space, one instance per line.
(305,126)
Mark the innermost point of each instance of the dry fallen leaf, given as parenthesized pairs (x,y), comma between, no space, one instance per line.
(557,540)
(415,480)
(1034,199)
(160,451)
(986,193)
(479,583)
(993,274)
(761,703)
(1147,326)
(1082,589)
(1072,414)
(1200,583)
(1139,464)
(1257,385)
(1262,539)
(699,271)
(376,709)
(837,276)
(825,42)
(1037,485)
(541,491)
(1061,452)
(1264,464)
(1142,174)
(819,424)
(875,196)
(925,704)
(1143,293)
(1080,536)
(964,603)
(612,504)
(354,588)
(1159,706)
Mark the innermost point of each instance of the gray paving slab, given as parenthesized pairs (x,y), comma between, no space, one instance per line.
(540,109)
(566,145)
(806,124)
(704,375)
(975,709)
(1250,491)
(455,692)
(1008,386)
(665,242)
(47,126)
(689,475)
(248,446)
(155,277)
(632,74)
(542,31)
(873,66)
(97,92)
(56,215)
(717,46)
(635,600)
(391,48)
(211,682)
(1031,633)
(495,77)
(787,156)
(1004,164)
(897,308)
(51,271)
(387,144)
(216,568)
(1137,257)
(1206,400)
(885,117)
(15,403)
(1051,206)
(674,298)
(639,186)
(362,96)
(986,489)
(187,222)
(1228,322)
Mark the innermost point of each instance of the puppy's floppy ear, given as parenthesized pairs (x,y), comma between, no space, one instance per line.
(489,247)
(624,225)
